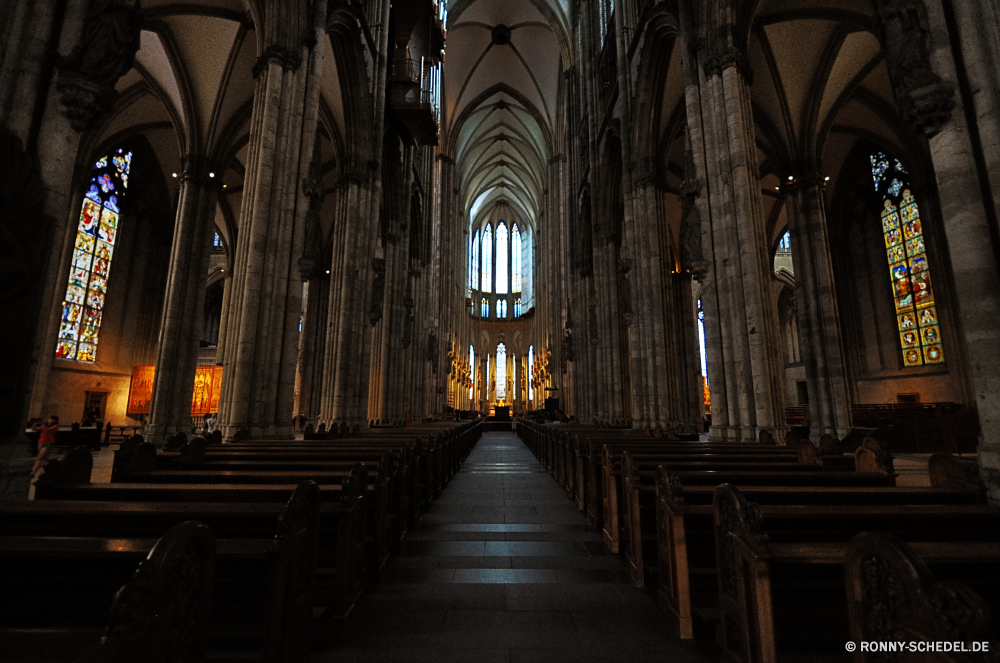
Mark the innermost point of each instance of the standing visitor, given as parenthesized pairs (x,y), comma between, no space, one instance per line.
(45,441)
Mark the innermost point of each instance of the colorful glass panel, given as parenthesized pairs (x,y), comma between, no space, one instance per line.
(487,260)
(515,260)
(501,372)
(502,248)
(909,270)
(472,370)
(90,266)
(474,267)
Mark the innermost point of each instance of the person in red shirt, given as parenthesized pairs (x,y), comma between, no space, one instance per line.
(45,441)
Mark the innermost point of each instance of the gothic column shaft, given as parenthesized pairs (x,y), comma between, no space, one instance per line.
(736,354)
(746,189)
(819,319)
(973,247)
(262,341)
(180,326)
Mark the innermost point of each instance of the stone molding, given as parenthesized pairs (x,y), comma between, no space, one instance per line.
(106,51)
(924,101)
(289,60)
(728,57)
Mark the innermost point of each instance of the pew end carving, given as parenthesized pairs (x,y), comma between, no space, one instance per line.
(892,596)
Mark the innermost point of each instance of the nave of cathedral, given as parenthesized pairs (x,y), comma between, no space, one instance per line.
(679,243)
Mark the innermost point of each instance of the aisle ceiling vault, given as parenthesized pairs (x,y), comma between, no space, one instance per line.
(190,92)
(502,73)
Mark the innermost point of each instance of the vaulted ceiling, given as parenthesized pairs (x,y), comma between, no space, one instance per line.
(502,76)
(190,93)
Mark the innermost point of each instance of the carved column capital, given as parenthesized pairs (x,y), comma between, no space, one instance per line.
(106,51)
(288,59)
(728,57)
(924,101)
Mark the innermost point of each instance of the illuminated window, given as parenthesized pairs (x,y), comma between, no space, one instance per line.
(531,367)
(502,237)
(484,310)
(474,265)
(472,370)
(517,307)
(217,241)
(487,259)
(93,251)
(501,308)
(916,313)
(515,260)
(501,372)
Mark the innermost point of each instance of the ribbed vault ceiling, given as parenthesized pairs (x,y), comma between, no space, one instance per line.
(502,71)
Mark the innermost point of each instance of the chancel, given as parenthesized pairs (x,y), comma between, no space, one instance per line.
(612,330)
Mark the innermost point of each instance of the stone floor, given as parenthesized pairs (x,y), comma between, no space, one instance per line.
(504,568)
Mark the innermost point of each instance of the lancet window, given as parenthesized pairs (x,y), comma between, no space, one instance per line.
(93,251)
(909,269)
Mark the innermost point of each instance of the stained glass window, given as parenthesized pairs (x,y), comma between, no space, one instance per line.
(474,266)
(501,308)
(517,307)
(472,369)
(484,309)
(916,313)
(502,237)
(531,368)
(217,241)
(515,259)
(501,372)
(487,275)
(93,251)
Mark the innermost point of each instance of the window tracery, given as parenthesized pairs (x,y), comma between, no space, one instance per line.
(913,296)
(93,251)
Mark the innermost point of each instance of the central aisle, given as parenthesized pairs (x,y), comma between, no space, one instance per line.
(503,568)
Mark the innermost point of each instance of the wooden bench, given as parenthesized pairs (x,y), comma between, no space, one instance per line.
(634,483)
(161,613)
(629,486)
(685,533)
(767,554)
(882,572)
(341,538)
(381,514)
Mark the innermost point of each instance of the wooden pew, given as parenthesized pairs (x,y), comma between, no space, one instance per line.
(635,485)
(882,572)
(685,533)
(341,538)
(161,614)
(767,554)
(384,512)
(629,486)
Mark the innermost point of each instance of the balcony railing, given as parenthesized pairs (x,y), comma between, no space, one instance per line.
(426,79)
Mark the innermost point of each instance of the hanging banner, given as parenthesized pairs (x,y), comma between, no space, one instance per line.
(204,399)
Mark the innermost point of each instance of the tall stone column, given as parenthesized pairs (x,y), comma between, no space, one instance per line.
(750,345)
(180,326)
(936,100)
(819,319)
(262,339)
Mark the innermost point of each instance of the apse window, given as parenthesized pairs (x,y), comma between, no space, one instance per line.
(909,268)
(217,242)
(93,251)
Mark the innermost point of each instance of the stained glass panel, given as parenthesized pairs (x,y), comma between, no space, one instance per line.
(909,269)
(501,372)
(90,266)
(474,267)
(487,260)
(502,237)
(515,260)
